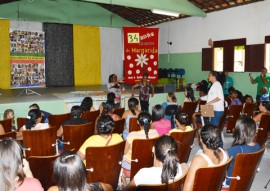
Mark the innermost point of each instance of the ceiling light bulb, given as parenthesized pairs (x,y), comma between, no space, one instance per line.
(164,12)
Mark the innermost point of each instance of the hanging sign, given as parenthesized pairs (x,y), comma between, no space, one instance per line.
(140,53)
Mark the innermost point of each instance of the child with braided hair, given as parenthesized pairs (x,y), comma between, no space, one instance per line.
(144,120)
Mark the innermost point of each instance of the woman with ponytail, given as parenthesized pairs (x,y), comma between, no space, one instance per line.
(33,122)
(166,166)
(212,154)
(181,120)
(144,120)
(132,112)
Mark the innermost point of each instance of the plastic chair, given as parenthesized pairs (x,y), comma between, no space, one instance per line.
(103,164)
(170,72)
(180,72)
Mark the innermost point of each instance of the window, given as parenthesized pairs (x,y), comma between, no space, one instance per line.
(267,56)
(239,59)
(218,59)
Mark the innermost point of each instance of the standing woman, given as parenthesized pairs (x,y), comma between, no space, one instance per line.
(144,96)
(115,86)
(216,96)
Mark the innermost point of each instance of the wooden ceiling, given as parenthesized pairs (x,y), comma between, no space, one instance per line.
(143,17)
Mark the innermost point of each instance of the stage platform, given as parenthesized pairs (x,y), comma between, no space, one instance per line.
(58,100)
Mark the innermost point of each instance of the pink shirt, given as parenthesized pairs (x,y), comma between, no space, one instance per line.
(30,184)
(162,126)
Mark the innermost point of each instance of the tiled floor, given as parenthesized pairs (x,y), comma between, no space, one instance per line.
(261,177)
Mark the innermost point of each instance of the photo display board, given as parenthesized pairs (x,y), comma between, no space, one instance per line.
(27,59)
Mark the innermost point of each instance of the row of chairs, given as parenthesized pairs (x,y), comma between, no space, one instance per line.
(57,120)
(170,72)
(104,163)
(40,151)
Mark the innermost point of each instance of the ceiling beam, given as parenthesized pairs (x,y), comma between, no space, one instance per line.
(179,6)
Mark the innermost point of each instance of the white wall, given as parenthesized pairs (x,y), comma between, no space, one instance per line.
(111,53)
(250,21)
(28,26)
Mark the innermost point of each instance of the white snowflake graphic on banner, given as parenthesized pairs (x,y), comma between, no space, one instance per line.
(141,60)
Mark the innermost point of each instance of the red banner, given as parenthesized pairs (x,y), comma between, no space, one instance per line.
(140,53)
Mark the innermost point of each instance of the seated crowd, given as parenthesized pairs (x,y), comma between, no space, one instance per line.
(166,118)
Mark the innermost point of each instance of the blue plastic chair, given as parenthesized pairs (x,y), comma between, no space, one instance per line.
(180,72)
(170,72)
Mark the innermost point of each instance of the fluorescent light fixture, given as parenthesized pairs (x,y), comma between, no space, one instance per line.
(164,12)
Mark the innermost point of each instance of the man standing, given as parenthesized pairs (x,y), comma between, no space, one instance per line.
(228,83)
(262,80)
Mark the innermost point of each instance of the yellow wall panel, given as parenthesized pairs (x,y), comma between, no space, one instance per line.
(4,54)
(87,55)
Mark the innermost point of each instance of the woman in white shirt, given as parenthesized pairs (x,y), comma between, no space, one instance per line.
(215,96)
(115,86)
(166,167)
(33,122)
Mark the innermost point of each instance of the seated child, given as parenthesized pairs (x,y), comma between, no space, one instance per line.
(234,98)
(264,94)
